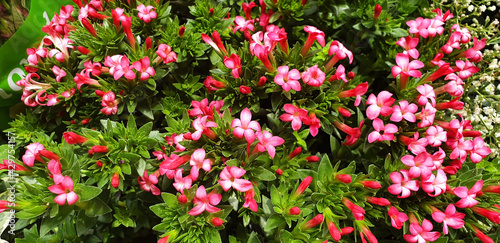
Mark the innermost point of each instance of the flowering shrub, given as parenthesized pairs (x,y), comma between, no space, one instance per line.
(224,125)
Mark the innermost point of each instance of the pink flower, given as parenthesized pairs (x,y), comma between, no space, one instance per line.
(216,43)
(419,27)
(422,233)
(121,68)
(435,183)
(110,103)
(182,183)
(243,25)
(166,54)
(478,151)
(313,76)
(340,52)
(94,68)
(353,134)
(230,177)
(453,43)
(314,34)
(205,202)
(402,184)
(314,124)
(467,195)
(339,74)
(54,167)
(404,110)
(449,218)
(84,78)
(466,36)
(31,153)
(454,86)
(203,108)
(262,53)
(474,54)
(397,218)
(65,191)
(461,148)
(382,132)
(148,182)
(245,126)
(426,93)
(379,105)
(144,69)
(295,115)
(405,67)
(233,62)
(288,79)
(198,162)
(427,116)
(203,127)
(267,142)
(419,165)
(435,136)
(436,27)
(465,69)
(250,200)
(59,73)
(146,13)
(409,44)
(358,92)
(247,8)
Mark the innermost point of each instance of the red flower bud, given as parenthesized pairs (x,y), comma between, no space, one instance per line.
(344,112)
(378,10)
(72,122)
(294,211)
(187,136)
(83,50)
(312,159)
(313,222)
(371,184)
(181,31)
(49,155)
(378,201)
(346,230)
(217,222)
(494,189)
(295,152)
(98,163)
(245,89)
(98,149)
(351,75)
(344,178)
(279,172)
(303,186)
(262,81)
(182,199)
(73,138)
(85,121)
(149,43)
(115,180)
(211,11)
(99,93)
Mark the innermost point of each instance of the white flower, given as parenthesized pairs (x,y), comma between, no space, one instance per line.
(470,8)
(482,8)
(492,8)
(490,89)
(495,22)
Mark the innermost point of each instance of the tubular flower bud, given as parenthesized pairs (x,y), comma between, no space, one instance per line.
(303,186)
(115,180)
(318,219)
(294,211)
(344,178)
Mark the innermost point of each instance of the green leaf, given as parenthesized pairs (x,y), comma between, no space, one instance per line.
(31,212)
(263,174)
(169,199)
(213,235)
(131,126)
(84,223)
(273,222)
(94,207)
(141,167)
(87,192)
(253,238)
(325,169)
(50,223)
(145,130)
(275,196)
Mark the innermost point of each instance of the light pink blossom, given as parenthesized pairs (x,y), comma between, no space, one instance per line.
(65,191)
(419,165)
(419,27)
(404,110)
(435,183)
(436,135)
(148,182)
(465,69)
(233,62)
(379,105)
(166,54)
(31,153)
(230,177)
(409,45)
(146,13)
(405,67)
(144,69)
(295,115)
(426,93)
(382,132)
(450,218)
(313,76)
(478,151)
(474,54)
(182,183)
(288,79)
(422,234)
(205,202)
(203,126)
(198,162)
(245,126)
(402,184)
(468,196)
(397,218)
(268,142)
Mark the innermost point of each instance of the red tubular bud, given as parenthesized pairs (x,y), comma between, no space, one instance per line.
(294,211)
(181,31)
(83,50)
(49,155)
(318,219)
(279,172)
(344,112)
(312,159)
(303,186)
(217,222)
(98,149)
(351,75)
(89,27)
(115,180)
(378,201)
(98,163)
(245,89)
(99,93)
(149,43)
(262,81)
(378,10)
(371,184)
(211,11)
(182,199)
(346,230)
(295,152)
(73,138)
(344,178)
(494,189)
(85,121)
(187,136)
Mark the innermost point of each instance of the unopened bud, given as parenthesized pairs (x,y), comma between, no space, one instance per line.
(279,172)
(312,159)
(98,163)
(344,112)
(371,184)
(295,152)
(378,10)
(182,199)
(245,89)
(344,178)
(149,43)
(351,75)
(294,211)
(217,222)
(262,81)
(115,180)
(318,219)
(181,31)
(211,11)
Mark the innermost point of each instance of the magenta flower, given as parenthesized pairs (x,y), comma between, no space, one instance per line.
(379,105)
(288,79)
(339,74)
(357,211)
(340,51)
(233,62)
(314,34)
(461,148)
(313,76)
(148,182)
(426,93)
(474,54)
(404,110)
(358,91)
(464,32)
(267,142)
(230,177)
(109,103)
(436,135)
(449,218)
(419,27)
(382,132)
(436,27)
(31,153)
(402,184)
(84,78)
(422,234)
(54,167)
(205,202)
(478,151)
(409,45)
(59,73)
(405,67)
(454,86)
(397,218)
(435,183)
(166,54)
(295,115)
(144,69)
(250,200)
(426,116)
(353,134)
(416,145)
(146,13)
(198,162)
(314,124)
(203,127)
(243,25)
(245,126)
(122,68)
(182,183)
(65,191)
(467,195)
(465,69)
(419,165)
